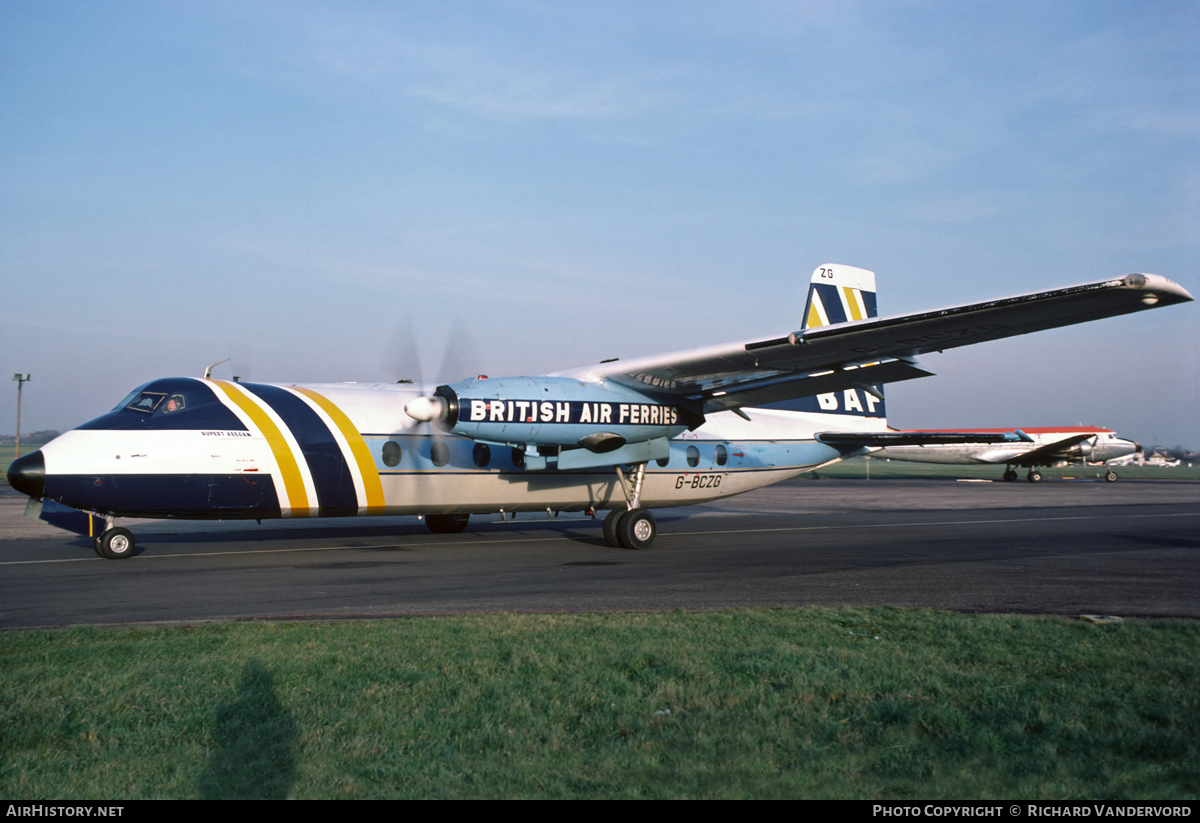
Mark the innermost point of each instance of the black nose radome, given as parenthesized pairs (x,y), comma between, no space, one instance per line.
(28,474)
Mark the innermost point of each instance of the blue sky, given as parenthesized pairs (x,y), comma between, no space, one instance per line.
(304,187)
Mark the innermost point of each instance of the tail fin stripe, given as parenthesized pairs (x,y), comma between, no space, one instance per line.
(831,301)
(853,303)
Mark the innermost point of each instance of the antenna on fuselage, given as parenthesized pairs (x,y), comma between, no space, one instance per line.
(211,366)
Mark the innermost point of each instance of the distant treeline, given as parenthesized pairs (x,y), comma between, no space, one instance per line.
(31,437)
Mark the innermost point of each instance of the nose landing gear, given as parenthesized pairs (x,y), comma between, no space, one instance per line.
(115,543)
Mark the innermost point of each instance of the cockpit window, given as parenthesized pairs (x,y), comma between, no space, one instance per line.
(146,401)
(174,403)
(129,397)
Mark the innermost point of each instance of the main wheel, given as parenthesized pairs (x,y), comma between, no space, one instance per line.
(116,544)
(446,523)
(610,528)
(1009,475)
(1110,477)
(1034,476)
(96,546)
(637,529)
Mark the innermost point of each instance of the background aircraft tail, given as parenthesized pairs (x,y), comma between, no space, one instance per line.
(840,294)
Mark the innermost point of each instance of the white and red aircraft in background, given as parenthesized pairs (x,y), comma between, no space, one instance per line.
(1060,446)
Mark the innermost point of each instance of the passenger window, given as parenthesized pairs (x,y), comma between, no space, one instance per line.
(391,453)
(440,453)
(482,455)
(722,455)
(518,457)
(693,456)
(663,461)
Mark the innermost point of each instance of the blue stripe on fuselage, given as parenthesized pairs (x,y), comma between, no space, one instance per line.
(331,475)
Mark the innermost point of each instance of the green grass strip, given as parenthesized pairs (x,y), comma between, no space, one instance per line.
(849,703)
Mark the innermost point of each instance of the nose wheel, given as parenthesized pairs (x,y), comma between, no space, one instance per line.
(1110,477)
(115,544)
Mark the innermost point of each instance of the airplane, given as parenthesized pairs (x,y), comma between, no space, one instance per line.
(1040,447)
(623,435)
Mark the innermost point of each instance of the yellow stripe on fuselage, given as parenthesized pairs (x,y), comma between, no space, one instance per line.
(362,454)
(293,483)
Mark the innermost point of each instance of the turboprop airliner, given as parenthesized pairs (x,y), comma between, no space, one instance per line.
(1061,446)
(623,435)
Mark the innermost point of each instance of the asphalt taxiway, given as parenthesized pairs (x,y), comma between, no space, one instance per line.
(1069,547)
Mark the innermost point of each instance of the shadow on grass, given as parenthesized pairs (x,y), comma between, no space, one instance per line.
(254,756)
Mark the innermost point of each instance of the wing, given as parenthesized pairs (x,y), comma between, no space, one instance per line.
(867,353)
(1046,452)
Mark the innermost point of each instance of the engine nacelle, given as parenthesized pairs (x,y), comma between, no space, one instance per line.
(552,412)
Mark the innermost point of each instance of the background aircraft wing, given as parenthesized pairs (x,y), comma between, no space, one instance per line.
(902,438)
(1044,453)
(865,353)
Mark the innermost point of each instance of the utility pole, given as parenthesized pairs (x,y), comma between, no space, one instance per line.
(21,379)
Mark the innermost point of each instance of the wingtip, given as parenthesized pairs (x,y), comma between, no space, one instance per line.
(1157,289)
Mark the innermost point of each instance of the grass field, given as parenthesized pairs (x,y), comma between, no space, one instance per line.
(858,703)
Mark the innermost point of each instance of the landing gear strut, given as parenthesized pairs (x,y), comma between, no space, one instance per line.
(633,527)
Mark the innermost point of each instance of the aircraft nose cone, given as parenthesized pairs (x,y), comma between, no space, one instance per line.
(28,474)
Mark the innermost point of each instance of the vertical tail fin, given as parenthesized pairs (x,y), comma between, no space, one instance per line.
(838,294)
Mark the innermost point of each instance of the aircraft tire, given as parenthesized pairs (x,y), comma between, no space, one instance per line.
(1110,477)
(116,544)
(1034,476)
(447,523)
(610,528)
(637,529)
(1009,476)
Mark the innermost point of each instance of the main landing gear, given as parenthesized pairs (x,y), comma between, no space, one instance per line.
(1110,476)
(114,544)
(1034,475)
(632,527)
